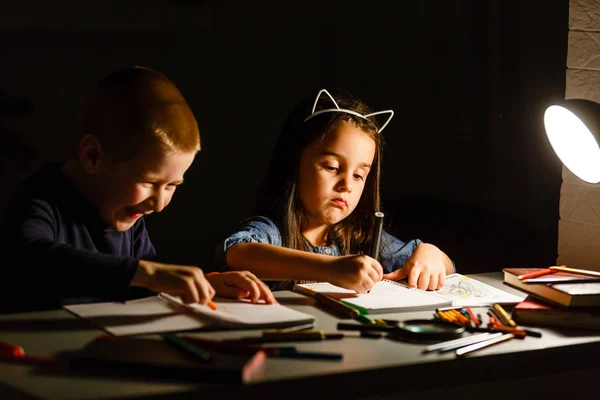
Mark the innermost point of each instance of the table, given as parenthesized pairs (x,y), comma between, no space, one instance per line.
(559,363)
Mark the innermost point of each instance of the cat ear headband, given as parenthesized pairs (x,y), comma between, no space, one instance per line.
(338,109)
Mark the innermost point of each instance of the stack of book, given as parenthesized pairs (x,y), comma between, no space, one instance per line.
(557,296)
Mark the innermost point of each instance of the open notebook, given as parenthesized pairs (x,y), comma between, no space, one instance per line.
(165,313)
(389,296)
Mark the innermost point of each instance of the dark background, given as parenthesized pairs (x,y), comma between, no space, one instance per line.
(466,165)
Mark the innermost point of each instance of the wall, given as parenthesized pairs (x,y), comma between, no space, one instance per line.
(579,224)
(467,165)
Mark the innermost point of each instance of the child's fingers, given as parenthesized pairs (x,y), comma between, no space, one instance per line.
(413,277)
(233,292)
(441,280)
(265,292)
(205,291)
(190,293)
(433,282)
(423,282)
(396,275)
(243,281)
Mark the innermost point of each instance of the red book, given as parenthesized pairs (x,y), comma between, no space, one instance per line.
(534,312)
(573,291)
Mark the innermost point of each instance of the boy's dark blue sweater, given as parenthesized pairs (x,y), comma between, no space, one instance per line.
(56,250)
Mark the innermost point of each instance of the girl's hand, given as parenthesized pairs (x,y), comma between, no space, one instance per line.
(241,285)
(426,269)
(355,272)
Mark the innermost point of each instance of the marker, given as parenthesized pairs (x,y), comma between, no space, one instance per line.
(507,320)
(377,231)
(211,304)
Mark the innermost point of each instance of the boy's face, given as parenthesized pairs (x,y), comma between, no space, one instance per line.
(332,174)
(127,190)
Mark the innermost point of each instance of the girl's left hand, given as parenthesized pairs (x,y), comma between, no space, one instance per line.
(426,268)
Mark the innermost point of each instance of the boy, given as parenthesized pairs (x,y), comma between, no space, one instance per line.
(75,232)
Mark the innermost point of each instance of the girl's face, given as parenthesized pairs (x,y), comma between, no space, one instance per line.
(332,174)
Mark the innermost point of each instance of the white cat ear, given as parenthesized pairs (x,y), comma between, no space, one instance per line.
(338,109)
(319,96)
(391,112)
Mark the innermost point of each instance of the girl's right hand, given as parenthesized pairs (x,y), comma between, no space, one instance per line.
(356,272)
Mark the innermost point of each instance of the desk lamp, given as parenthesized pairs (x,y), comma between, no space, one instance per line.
(573,129)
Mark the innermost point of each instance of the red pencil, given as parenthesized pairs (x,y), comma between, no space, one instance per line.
(535,274)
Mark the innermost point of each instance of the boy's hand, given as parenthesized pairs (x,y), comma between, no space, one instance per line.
(241,285)
(426,269)
(187,282)
(356,272)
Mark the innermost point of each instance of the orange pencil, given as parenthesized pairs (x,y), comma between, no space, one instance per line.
(535,274)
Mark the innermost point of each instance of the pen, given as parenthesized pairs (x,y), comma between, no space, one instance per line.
(186,346)
(336,305)
(377,230)
(482,345)
(534,274)
(211,304)
(575,270)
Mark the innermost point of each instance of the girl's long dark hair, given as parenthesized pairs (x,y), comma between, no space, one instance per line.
(278,197)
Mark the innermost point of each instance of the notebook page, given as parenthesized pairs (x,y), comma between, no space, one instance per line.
(147,315)
(466,291)
(385,296)
(243,312)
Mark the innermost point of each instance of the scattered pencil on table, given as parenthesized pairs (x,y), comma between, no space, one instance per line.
(535,274)
(482,345)
(564,268)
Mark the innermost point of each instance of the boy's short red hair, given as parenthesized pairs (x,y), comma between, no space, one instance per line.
(135,108)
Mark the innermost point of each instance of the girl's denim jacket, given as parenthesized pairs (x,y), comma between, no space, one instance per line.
(259,229)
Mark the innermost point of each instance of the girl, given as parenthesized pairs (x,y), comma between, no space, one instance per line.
(318,200)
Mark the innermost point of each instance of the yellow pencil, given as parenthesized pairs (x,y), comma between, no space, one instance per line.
(575,270)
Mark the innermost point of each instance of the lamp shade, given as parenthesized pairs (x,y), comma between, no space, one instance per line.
(573,129)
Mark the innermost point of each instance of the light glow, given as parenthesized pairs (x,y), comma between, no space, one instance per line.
(573,143)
